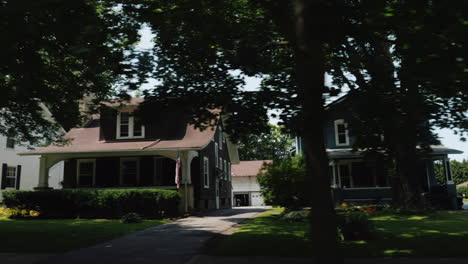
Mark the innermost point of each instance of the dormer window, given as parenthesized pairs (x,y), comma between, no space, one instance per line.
(341,133)
(129,126)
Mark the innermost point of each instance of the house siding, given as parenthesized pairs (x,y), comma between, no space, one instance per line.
(29,166)
(207,196)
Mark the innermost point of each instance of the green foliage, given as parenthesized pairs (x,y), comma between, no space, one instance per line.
(105,203)
(462,191)
(283,183)
(55,52)
(296,216)
(131,218)
(459,171)
(354,225)
(266,146)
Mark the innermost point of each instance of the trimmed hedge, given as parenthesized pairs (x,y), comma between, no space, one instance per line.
(96,203)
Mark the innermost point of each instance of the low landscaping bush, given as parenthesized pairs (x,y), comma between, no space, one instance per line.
(296,216)
(97,203)
(354,225)
(462,191)
(131,218)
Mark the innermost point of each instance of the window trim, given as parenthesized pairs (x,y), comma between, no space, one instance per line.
(337,138)
(9,141)
(206,172)
(131,124)
(15,177)
(121,174)
(78,163)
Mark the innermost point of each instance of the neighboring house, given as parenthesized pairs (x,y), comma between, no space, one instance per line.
(359,179)
(245,188)
(20,172)
(117,150)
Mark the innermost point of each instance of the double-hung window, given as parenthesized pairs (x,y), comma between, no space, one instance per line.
(10,177)
(220,138)
(341,133)
(10,143)
(217,165)
(206,173)
(129,126)
(86,172)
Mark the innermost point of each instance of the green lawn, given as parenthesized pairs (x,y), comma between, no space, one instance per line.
(51,236)
(442,235)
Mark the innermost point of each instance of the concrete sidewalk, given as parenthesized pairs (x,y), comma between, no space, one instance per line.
(174,243)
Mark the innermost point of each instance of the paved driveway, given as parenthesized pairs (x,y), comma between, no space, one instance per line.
(173,243)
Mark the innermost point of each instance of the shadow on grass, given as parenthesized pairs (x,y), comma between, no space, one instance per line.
(442,235)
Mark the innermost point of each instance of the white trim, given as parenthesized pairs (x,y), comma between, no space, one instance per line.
(337,139)
(15,168)
(206,171)
(78,163)
(131,124)
(137,168)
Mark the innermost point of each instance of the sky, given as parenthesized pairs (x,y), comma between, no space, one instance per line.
(446,136)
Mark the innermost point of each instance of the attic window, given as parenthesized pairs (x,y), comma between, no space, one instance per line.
(129,126)
(341,133)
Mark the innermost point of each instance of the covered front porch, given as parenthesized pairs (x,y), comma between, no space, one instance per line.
(356,179)
(131,169)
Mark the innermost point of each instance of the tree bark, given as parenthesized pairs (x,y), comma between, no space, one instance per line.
(310,76)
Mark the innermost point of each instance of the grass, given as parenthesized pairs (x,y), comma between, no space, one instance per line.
(54,236)
(441,235)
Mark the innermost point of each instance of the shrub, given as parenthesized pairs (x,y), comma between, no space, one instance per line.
(98,203)
(462,191)
(296,216)
(131,218)
(354,225)
(283,183)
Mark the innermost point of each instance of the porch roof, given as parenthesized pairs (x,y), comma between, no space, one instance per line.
(349,153)
(86,140)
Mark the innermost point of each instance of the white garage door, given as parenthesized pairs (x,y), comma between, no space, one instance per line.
(256,199)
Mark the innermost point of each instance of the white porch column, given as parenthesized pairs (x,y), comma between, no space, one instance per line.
(43,173)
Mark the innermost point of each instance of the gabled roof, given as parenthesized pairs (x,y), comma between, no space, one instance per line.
(248,168)
(86,140)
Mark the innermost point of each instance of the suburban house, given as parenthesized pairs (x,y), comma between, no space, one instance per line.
(116,149)
(359,179)
(245,188)
(20,172)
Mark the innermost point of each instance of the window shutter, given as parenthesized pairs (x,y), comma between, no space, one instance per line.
(18,177)
(4,173)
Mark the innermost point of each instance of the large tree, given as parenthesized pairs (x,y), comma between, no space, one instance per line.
(54,52)
(203,49)
(404,59)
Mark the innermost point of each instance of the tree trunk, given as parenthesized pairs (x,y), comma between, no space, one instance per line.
(310,76)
